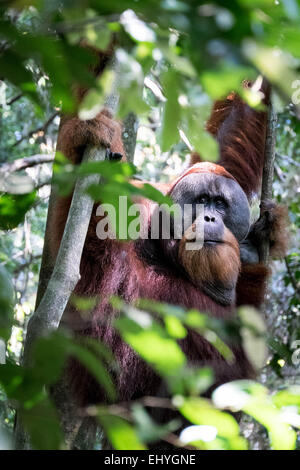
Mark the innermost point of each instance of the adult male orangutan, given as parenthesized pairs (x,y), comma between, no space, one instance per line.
(223,274)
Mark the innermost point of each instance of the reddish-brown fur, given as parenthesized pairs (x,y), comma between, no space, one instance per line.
(251,285)
(194,158)
(117,270)
(74,135)
(219,263)
(241,133)
(114,268)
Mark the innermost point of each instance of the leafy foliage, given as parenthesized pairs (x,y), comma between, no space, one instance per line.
(189,54)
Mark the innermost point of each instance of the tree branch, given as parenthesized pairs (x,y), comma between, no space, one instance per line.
(288,159)
(26,162)
(42,128)
(86,433)
(66,270)
(268,172)
(14,99)
(130,128)
(27,264)
(53,299)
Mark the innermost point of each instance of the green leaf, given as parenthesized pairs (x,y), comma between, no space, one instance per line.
(253,333)
(131,100)
(85,304)
(191,381)
(147,429)
(91,104)
(120,433)
(21,384)
(99,37)
(272,65)
(200,322)
(201,437)
(281,435)
(194,319)
(252,398)
(200,411)
(150,192)
(288,397)
(6,304)
(107,169)
(218,83)
(43,426)
(174,327)
(171,115)
(182,64)
(118,192)
(49,357)
(13,208)
(162,308)
(95,367)
(100,350)
(150,341)
(15,72)
(193,124)
(203,143)
(11,377)
(282,349)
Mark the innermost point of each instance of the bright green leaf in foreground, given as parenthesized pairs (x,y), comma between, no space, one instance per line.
(13,208)
(288,397)
(148,430)
(253,399)
(42,423)
(220,82)
(149,339)
(120,433)
(199,411)
(6,304)
(152,344)
(171,116)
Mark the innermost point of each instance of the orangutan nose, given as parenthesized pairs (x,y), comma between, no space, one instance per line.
(209,218)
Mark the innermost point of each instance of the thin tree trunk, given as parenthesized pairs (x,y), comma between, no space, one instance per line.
(47,263)
(26,162)
(86,435)
(130,128)
(268,171)
(58,282)
(65,274)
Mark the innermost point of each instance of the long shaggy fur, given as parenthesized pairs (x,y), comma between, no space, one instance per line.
(154,271)
(241,133)
(119,270)
(251,286)
(212,264)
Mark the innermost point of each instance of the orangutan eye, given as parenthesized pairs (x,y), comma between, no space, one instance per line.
(202,199)
(220,202)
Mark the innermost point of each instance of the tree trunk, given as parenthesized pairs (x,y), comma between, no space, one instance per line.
(86,436)
(130,128)
(57,281)
(268,171)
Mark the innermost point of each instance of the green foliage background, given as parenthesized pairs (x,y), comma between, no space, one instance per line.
(192,52)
